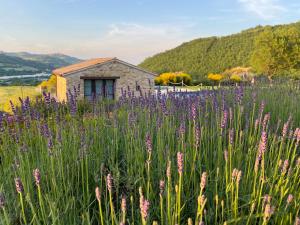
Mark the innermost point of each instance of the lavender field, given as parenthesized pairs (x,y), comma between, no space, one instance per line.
(225,156)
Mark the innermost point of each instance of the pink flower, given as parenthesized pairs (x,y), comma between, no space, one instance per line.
(180,162)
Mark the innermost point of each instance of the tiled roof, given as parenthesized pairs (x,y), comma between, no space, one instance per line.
(79,66)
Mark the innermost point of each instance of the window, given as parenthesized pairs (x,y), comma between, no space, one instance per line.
(99,88)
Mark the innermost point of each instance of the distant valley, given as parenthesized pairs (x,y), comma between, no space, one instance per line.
(25,68)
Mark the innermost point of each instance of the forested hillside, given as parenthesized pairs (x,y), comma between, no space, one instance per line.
(210,55)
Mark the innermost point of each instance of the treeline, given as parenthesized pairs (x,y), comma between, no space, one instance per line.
(214,54)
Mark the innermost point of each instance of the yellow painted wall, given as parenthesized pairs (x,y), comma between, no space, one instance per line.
(61,89)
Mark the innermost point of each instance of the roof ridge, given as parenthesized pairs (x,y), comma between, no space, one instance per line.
(81,65)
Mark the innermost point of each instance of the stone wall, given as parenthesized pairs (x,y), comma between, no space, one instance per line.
(128,77)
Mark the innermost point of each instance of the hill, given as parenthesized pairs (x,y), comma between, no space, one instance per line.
(21,63)
(209,55)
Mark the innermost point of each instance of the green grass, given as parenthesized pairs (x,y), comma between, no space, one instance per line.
(13,93)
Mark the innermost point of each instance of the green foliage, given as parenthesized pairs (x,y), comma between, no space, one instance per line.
(277,51)
(210,55)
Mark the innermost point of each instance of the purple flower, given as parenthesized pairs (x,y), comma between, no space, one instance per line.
(19,185)
(197,136)
(148,143)
(285,167)
(224,119)
(168,172)
(203,180)
(109,182)
(161,187)
(180,162)
(144,207)
(263,143)
(231,136)
(265,121)
(193,112)
(37,177)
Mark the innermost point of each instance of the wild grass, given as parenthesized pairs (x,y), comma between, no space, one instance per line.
(226,156)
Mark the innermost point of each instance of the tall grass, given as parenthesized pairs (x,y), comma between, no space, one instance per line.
(229,156)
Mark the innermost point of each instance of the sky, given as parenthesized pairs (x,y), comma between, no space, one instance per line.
(129,29)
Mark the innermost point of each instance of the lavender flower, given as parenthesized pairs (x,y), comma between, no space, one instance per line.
(285,129)
(297,221)
(37,177)
(224,119)
(203,180)
(19,185)
(168,172)
(109,182)
(267,199)
(263,143)
(193,112)
(123,204)
(180,162)
(289,199)
(226,155)
(285,167)
(98,194)
(265,121)
(145,209)
(148,143)
(234,174)
(231,136)
(269,211)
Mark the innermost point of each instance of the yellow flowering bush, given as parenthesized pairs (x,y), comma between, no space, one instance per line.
(173,77)
(215,77)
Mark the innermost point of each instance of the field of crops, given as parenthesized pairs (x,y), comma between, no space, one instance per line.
(225,156)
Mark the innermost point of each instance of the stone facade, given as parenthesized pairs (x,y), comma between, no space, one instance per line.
(125,75)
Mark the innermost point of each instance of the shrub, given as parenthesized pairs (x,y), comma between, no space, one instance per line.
(173,77)
(49,85)
(215,77)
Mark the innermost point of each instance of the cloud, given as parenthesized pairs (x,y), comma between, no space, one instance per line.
(266,9)
(134,42)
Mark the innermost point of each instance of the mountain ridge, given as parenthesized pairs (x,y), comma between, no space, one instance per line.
(19,63)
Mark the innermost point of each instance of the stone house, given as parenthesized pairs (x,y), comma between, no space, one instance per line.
(104,78)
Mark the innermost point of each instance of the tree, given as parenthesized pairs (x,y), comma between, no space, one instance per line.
(277,52)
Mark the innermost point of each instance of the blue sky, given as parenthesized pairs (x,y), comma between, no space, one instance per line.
(129,29)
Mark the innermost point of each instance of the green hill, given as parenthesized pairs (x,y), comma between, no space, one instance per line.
(209,55)
(21,63)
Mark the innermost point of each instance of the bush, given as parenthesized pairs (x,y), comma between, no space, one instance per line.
(173,78)
(49,85)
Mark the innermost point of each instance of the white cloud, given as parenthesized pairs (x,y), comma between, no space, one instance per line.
(134,42)
(266,9)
